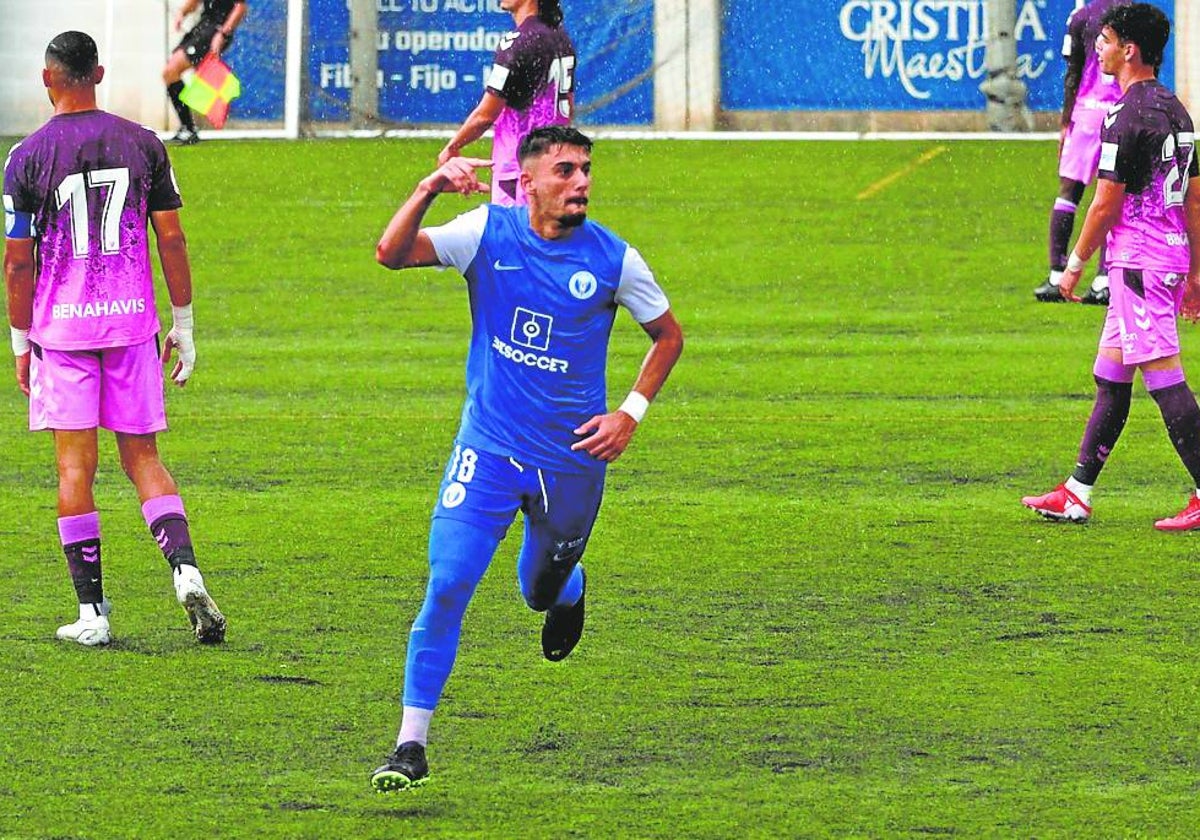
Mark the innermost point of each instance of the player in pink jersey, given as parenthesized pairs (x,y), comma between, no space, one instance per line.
(1152,223)
(78,193)
(1088,93)
(531,85)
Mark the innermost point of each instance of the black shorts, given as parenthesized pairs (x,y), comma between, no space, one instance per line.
(197,43)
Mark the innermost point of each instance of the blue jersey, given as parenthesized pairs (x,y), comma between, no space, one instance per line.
(542,312)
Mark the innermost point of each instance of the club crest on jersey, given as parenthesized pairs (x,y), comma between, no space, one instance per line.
(453,495)
(582,284)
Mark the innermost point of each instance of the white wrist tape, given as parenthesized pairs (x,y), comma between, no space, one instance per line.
(183,318)
(20,341)
(1074,263)
(635,406)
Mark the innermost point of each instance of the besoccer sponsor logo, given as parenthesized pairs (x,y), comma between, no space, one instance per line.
(98,309)
(531,331)
(522,357)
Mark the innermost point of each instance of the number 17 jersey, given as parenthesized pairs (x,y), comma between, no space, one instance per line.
(83,186)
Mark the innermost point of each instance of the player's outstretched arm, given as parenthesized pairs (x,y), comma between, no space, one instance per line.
(186,9)
(225,31)
(1076,58)
(1104,212)
(403,244)
(18,280)
(608,435)
(177,271)
(477,122)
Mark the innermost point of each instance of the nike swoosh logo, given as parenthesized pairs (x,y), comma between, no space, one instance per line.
(1112,115)
(499,266)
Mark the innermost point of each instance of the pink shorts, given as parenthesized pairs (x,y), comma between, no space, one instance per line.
(1142,314)
(1081,147)
(119,389)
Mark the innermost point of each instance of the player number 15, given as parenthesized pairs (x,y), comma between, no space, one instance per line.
(562,74)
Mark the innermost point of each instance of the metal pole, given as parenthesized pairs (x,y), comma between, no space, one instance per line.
(364,64)
(1006,94)
(294,74)
(110,40)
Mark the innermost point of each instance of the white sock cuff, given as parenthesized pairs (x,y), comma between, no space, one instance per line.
(414,726)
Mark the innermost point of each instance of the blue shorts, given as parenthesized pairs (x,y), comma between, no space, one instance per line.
(487,490)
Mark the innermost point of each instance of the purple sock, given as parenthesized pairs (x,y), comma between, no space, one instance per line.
(167,522)
(1109,413)
(1062,222)
(1180,414)
(80,536)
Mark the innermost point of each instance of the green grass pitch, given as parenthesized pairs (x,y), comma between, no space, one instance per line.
(816,609)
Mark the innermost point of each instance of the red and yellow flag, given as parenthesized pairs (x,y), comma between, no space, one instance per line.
(210,90)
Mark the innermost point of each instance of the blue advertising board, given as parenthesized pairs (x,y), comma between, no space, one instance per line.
(886,55)
(434,56)
(258,59)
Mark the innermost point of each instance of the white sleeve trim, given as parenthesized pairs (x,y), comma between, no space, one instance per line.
(638,291)
(457,241)
(497,78)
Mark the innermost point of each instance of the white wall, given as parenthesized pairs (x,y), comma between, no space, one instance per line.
(1187,54)
(133,58)
(687,64)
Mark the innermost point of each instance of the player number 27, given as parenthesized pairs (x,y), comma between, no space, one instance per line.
(562,74)
(1176,183)
(73,193)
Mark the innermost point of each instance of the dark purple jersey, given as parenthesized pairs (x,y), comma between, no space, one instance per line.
(534,73)
(89,181)
(1097,90)
(1148,144)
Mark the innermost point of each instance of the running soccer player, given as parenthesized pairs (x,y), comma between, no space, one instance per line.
(212,34)
(544,285)
(1088,93)
(1152,221)
(531,84)
(77,196)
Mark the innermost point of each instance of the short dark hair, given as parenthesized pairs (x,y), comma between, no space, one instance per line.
(550,12)
(75,52)
(1141,24)
(539,140)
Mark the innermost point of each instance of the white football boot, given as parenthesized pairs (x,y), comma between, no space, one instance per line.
(206,619)
(91,629)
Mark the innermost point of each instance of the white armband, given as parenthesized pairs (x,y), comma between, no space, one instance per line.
(183,318)
(20,341)
(635,406)
(1074,263)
